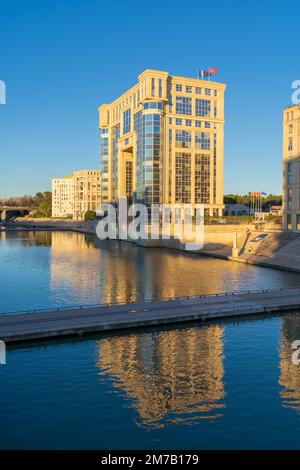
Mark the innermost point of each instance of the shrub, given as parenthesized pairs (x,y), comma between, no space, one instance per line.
(90,215)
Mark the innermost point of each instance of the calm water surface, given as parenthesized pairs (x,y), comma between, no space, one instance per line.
(42,270)
(227,385)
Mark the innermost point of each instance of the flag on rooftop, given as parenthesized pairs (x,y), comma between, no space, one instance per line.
(203,73)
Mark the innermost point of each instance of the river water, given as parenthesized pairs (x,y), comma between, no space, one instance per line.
(227,385)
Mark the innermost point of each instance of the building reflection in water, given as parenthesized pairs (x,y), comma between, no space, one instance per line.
(26,238)
(93,275)
(289,372)
(89,270)
(173,376)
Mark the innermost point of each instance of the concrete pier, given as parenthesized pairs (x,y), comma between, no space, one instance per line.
(37,325)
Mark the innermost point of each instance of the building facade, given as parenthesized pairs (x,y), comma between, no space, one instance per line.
(162,142)
(74,195)
(291,168)
(63,196)
(276,211)
(236,210)
(87,192)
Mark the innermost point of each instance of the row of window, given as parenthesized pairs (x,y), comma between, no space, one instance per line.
(291,115)
(157,90)
(183,106)
(291,226)
(151,128)
(190,122)
(104,162)
(178,122)
(156,86)
(202,179)
(197,90)
(116,136)
(183,176)
(293,173)
(153,105)
(134,99)
(202,106)
(184,139)
(147,128)
(126,121)
(291,194)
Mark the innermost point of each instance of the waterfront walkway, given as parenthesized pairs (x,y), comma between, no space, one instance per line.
(25,326)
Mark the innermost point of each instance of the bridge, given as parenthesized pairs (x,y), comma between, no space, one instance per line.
(9,213)
(79,320)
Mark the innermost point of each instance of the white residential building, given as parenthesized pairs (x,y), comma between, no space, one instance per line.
(63,196)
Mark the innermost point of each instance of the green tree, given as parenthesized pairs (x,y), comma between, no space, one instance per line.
(90,215)
(267,201)
(230,199)
(45,206)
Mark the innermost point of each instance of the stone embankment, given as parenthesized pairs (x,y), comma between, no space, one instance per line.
(265,247)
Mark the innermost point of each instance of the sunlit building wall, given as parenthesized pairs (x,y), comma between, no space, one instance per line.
(291,168)
(87,192)
(163,142)
(63,196)
(74,195)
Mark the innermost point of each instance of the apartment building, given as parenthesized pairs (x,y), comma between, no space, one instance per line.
(87,192)
(63,196)
(74,195)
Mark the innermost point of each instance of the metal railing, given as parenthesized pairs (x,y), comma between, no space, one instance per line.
(145,301)
(230,220)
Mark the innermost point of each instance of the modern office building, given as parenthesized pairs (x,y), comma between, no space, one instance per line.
(63,196)
(162,142)
(291,168)
(74,195)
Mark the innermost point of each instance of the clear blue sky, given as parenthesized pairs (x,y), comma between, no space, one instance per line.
(61,59)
